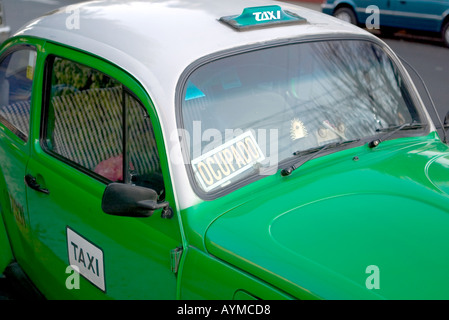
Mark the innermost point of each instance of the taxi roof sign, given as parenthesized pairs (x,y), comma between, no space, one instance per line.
(264,16)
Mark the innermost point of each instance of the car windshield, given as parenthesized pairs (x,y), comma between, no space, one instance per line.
(251,111)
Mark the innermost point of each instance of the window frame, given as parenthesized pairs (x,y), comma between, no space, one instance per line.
(3,121)
(47,86)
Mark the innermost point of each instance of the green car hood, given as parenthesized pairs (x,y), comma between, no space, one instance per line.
(375,228)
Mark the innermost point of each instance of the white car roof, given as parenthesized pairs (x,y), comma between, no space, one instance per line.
(156,40)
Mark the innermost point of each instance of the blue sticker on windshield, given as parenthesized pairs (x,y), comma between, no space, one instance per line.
(192,92)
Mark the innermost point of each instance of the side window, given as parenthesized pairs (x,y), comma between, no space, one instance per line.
(92,120)
(145,169)
(16,81)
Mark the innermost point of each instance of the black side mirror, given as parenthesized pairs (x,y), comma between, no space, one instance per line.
(132,201)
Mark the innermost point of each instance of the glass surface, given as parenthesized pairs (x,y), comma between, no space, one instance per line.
(85,124)
(254,110)
(16,81)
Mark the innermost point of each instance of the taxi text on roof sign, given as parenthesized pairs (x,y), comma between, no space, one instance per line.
(265,16)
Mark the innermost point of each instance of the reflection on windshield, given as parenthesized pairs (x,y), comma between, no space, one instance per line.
(289,98)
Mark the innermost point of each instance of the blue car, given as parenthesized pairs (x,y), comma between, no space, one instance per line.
(423,15)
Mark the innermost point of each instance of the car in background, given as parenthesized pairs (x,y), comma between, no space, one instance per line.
(4,29)
(423,15)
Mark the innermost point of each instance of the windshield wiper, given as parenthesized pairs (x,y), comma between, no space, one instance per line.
(315,152)
(392,130)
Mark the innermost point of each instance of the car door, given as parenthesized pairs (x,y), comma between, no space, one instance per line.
(424,15)
(383,6)
(96,129)
(17,86)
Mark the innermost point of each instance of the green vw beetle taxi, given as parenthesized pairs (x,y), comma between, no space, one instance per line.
(203,149)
